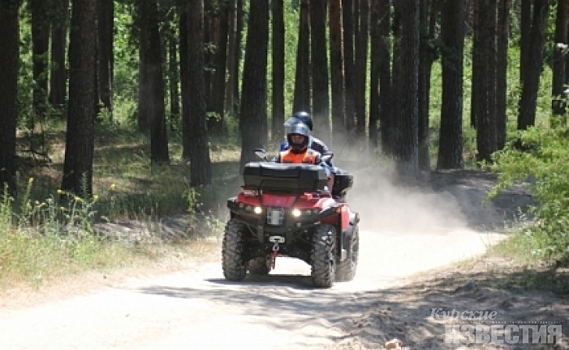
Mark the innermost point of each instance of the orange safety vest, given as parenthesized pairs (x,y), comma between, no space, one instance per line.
(308,157)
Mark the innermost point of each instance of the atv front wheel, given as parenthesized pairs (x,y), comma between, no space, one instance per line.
(233,264)
(260,265)
(346,270)
(322,256)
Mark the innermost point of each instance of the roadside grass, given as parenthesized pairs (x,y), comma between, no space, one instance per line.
(45,233)
(510,265)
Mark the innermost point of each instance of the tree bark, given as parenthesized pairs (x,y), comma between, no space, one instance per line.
(80,136)
(453,28)
(503,32)
(532,75)
(559,100)
(320,75)
(362,39)
(40,47)
(200,162)
(278,71)
(374,74)
(58,77)
(173,80)
(253,115)
(105,28)
(484,81)
(349,68)
(302,76)
(151,47)
(428,14)
(385,102)
(337,71)
(9,63)
(407,59)
(218,126)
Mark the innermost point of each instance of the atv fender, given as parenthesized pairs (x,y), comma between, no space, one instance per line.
(347,236)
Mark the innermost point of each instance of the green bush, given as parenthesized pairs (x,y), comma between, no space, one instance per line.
(540,161)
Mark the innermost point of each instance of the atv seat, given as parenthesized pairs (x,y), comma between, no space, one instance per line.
(279,177)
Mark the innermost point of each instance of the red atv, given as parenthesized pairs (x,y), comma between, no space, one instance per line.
(285,210)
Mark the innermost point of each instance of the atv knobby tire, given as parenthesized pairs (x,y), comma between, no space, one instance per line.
(260,265)
(346,270)
(322,256)
(233,264)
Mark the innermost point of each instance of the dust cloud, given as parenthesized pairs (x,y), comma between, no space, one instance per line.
(386,204)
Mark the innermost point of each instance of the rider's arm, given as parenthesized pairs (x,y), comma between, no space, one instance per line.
(283,146)
(320,146)
(326,167)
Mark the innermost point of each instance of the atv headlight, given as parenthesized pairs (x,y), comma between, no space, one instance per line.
(258,210)
(296,213)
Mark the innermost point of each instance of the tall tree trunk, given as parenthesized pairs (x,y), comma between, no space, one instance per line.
(9,62)
(173,84)
(559,60)
(185,79)
(453,28)
(209,17)
(200,162)
(385,102)
(218,126)
(151,46)
(530,86)
(80,136)
(502,71)
(278,71)
(231,33)
(234,58)
(525,33)
(105,28)
(58,76)
(407,82)
(302,78)
(337,70)
(253,115)
(374,74)
(428,14)
(319,63)
(362,39)
(349,68)
(40,47)
(144,107)
(485,80)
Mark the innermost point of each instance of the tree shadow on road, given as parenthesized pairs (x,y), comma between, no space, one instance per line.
(410,311)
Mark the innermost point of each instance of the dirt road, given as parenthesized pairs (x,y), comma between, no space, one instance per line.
(404,232)
(198,309)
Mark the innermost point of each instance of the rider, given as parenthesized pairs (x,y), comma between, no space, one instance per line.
(313,142)
(298,136)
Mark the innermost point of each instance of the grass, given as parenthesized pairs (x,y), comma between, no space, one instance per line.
(45,233)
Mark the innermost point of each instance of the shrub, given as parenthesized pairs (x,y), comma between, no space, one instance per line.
(539,159)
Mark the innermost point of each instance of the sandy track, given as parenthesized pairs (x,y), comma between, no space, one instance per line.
(198,309)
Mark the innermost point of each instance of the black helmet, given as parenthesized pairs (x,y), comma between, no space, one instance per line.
(298,129)
(303,117)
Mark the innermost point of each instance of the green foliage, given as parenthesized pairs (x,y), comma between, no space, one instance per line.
(43,239)
(540,161)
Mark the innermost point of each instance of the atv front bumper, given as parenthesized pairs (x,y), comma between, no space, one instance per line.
(293,220)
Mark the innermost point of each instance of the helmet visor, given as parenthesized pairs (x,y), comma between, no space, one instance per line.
(291,121)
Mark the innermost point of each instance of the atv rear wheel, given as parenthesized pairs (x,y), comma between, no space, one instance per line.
(346,270)
(233,264)
(322,256)
(260,265)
